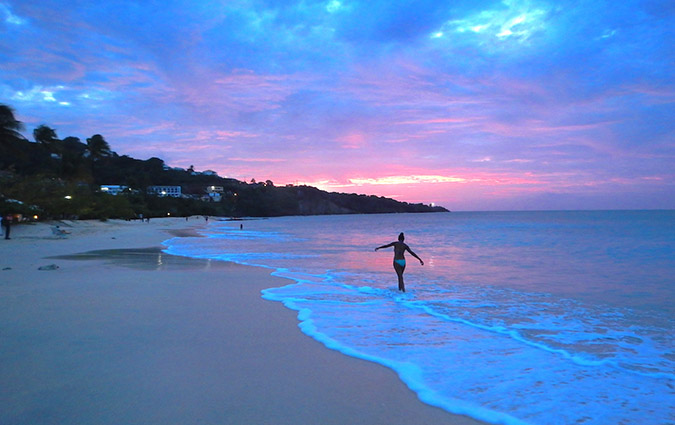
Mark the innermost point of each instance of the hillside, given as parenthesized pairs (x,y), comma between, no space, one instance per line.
(62,178)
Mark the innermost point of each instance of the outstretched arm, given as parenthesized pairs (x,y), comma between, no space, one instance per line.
(414,255)
(385,246)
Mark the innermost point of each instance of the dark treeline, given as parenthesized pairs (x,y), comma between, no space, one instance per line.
(58,178)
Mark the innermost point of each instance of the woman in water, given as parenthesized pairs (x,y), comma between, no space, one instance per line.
(399,260)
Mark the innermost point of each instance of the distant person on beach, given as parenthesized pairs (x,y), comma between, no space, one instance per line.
(6,224)
(399,259)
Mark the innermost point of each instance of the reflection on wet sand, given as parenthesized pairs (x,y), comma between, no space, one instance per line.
(145,259)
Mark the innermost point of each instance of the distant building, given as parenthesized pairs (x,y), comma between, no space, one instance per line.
(113,189)
(201,173)
(215,193)
(168,168)
(172,191)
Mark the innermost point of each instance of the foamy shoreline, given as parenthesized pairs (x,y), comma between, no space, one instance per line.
(136,336)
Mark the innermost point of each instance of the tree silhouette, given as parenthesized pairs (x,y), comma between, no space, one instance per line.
(97,147)
(47,137)
(72,160)
(9,126)
(10,139)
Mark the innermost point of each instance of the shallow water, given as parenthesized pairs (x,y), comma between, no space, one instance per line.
(527,317)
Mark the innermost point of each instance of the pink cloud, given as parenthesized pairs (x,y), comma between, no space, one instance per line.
(658,94)
(161,127)
(264,160)
(352,141)
(242,90)
(460,120)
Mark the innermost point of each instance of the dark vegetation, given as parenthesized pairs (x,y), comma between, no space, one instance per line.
(60,178)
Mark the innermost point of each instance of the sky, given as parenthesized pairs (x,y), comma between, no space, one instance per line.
(468,104)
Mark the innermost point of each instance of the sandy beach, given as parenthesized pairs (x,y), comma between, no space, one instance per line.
(113,331)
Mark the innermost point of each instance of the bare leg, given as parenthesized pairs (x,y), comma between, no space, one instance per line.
(399,272)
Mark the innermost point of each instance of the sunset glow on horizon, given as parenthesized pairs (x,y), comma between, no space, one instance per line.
(472,105)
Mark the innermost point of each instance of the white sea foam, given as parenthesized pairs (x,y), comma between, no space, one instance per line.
(515,318)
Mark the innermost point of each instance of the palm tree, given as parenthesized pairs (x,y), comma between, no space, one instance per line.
(47,137)
(10,139)
(9,126)
(98,147)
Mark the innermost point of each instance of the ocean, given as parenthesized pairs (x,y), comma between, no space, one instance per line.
(515,318)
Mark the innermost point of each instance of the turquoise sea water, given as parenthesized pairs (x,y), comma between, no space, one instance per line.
(515,318)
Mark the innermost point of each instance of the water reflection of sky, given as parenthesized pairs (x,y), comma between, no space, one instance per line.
(621,258)
(141,259)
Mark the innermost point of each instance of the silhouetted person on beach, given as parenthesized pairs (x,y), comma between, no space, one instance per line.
(399,259)
(6,224)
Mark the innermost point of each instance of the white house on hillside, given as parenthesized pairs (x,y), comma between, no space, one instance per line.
(215,193)
(113,189)
(173,191)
